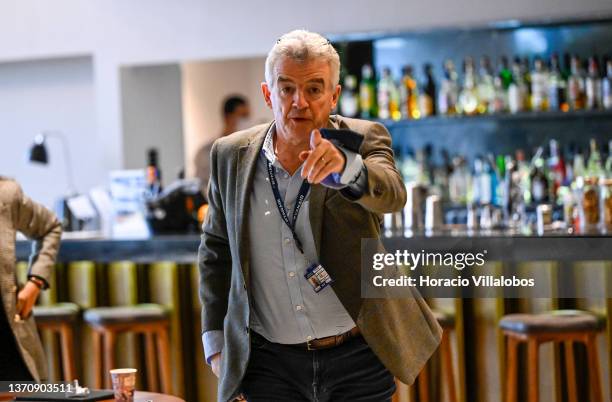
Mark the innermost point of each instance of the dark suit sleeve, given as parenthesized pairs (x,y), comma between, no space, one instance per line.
(385,191)
(214,256)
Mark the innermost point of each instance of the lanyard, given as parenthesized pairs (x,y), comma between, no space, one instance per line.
(281,205)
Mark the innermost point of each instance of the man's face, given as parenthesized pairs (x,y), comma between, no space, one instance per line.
(301,97)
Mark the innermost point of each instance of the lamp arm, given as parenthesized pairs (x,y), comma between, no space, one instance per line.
(67,159)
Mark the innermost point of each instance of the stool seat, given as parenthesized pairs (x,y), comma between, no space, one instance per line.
(66,312)
(445,320)
(141,313)
(559,321)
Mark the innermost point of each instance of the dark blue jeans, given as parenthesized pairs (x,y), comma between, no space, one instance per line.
(349,372)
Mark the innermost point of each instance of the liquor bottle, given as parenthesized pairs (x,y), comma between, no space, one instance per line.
(349,103)
(458,181)
(409,95)
(505,73)
(154,186)
(449,90)
(500,99)
(557,87)
(367,93)
(409,166)
(468,97)
(477,182)
(566,71)
(578,167)
(527,80)
(593,85)
(556,166)
(608,166)
(606,85)
(486,88)
(522,168)
(594,165)
(428,93)
(575,85)
(517,90)
(539,179)
(383,92)
(539,86)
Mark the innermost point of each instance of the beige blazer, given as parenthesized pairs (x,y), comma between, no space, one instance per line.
(19,213)
(402,332)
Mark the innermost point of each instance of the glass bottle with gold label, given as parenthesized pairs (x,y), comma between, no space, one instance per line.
(409,95)
(576,85)
(449,90)
(428,93)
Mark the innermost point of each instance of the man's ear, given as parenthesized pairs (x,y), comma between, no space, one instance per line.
(336,95)
(265,90)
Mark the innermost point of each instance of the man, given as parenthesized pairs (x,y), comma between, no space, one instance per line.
(236,113)
(268,331)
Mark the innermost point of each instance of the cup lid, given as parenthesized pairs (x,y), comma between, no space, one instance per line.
(123,371)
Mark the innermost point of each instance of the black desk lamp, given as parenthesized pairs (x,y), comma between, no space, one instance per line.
(39,154)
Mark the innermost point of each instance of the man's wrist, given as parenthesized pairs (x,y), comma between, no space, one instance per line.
(36,281)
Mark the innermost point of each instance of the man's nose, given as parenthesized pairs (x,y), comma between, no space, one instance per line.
(299,100)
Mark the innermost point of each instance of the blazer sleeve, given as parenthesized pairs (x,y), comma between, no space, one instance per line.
(385,191)
(214,257)
(40,224)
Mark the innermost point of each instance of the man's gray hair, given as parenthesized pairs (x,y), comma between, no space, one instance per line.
(303,46)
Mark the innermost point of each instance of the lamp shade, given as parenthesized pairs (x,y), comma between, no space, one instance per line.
(38,151)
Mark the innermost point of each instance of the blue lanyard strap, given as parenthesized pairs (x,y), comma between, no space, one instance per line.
(281,205)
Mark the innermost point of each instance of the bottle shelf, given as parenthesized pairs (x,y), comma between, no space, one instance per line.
(535,117)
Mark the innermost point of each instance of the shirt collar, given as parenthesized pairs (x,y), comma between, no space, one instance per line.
(268,144)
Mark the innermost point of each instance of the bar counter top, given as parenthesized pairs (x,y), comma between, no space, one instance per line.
(500,246)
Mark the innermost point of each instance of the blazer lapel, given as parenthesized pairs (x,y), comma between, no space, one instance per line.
(245,171)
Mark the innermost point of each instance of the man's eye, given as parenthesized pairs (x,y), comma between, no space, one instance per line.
(286,90)
(315,90)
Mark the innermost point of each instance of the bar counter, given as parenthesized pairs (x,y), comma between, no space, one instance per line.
(163,269)
(507,246)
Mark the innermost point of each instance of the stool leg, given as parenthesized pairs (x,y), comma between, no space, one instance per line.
(67,345)
(109,356)
(423,380)
(96,344)
(533,370)
(151,361)
(512,374)
(447,361)
(594,368)
(396,396)
(570,371)
(163,348)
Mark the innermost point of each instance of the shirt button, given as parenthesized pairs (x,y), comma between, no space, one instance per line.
(287,240)
(298,307)
(292,274)
(286,176)
(308,338)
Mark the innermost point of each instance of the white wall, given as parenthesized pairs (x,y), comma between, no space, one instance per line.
(43,95)
(152,117)
(205,85)
(119,32)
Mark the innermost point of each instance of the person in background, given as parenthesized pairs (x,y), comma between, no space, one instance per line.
(21,353)
(287,211)
(236,113)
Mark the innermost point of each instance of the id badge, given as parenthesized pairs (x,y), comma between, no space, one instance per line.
(318,277)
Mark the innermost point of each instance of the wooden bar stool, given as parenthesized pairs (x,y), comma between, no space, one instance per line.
(151,320)
(60,319)
(561,327)
(447,322)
